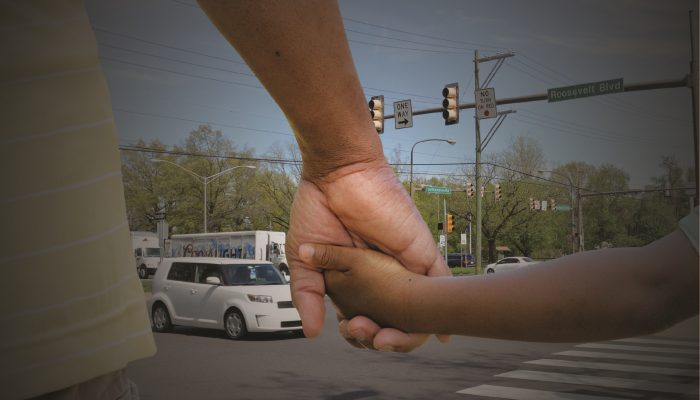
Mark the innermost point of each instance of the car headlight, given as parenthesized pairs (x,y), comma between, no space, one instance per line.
(259,298)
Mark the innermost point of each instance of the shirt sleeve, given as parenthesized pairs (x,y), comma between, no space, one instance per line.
(689,226)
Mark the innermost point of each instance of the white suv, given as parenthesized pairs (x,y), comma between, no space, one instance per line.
(238,296)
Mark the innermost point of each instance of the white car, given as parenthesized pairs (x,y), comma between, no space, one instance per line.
(236,295)
(509,264)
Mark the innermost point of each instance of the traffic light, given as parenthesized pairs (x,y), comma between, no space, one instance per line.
(376,108)
(552,205)
(450,223)
(497,192)
(450,103)
(482,191)
(470,189)
(532,203)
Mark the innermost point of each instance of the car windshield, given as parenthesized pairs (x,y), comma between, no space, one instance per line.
(152,252)
(258,274)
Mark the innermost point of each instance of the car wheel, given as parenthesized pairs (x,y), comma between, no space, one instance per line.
(234,324)
(490,271)
(143,272)
(161,318)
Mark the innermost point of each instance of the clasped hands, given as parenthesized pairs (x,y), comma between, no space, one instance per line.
(362,206)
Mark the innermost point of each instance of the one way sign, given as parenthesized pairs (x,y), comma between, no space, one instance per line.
(403,114)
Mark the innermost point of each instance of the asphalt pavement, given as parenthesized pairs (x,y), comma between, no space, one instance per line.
(204,364)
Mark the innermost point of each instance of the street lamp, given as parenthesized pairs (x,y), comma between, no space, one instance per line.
(410,181)
(204,179)
(571,211)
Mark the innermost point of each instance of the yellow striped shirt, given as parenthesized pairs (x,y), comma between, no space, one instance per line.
(72,306)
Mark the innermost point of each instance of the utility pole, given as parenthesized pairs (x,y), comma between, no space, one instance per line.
(479,146)
(693,83)
(477,167)
(580,220)
(444,225)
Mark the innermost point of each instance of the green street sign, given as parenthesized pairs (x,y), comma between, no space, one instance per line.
(585,90)
(437,190)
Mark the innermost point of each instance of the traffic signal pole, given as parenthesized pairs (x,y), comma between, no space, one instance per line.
(686,81)
(477,166)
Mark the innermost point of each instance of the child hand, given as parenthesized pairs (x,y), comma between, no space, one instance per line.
(365,282)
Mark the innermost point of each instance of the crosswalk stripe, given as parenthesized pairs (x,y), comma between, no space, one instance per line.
(616,367)
(504,392)
(637,348)
(683,343)
(622,383)
(626,356)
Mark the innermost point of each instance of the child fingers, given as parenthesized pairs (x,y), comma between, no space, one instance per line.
(329,257)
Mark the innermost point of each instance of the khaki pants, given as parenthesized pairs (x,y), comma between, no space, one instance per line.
(112,386)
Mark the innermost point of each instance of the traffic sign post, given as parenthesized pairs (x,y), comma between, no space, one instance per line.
(403,114)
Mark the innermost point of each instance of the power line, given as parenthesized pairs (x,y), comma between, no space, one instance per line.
(175,60)
(472,44)
(407,48)
(202,122)
(182,73)
(168,46)
(404,40)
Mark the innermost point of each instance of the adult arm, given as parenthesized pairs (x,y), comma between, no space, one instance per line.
(348,195)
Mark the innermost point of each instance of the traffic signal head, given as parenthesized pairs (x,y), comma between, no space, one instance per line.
(497,192)
(450,223)
(376,108)
(552,205)
(450,103)
(482,191)
(470,189)
(532,203)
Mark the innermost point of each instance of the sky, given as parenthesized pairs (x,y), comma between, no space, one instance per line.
(169,71)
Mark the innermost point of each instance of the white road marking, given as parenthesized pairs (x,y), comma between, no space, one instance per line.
(622,383)
(684,343)
(637,348)
(504,392)
(616,367)
(626,356)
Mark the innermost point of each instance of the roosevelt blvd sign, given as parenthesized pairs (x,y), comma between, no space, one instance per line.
(437,189)
(585,90)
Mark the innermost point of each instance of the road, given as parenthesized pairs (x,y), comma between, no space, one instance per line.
(203,364)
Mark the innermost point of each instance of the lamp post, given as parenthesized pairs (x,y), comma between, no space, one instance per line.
(204,179)
(410,181)
(571,211)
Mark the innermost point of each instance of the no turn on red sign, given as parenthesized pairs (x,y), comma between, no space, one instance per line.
(485,101)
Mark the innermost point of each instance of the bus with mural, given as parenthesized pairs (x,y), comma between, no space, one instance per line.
(251,245)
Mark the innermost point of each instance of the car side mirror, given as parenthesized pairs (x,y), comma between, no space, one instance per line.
(213,280)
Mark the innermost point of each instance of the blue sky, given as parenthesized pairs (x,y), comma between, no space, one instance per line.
(169,71)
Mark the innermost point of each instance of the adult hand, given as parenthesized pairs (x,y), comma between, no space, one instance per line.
(358,205)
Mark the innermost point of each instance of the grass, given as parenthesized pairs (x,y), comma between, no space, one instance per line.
(463,271)
(146,283)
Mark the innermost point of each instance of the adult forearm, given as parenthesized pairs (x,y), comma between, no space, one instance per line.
(299,52)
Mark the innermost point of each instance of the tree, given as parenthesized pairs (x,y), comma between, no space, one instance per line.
(510,220)
(142,184)
(278,182)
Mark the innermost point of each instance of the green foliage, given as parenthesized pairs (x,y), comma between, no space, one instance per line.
(245,199)
(239,199)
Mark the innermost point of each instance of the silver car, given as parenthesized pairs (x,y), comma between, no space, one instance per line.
(509,264)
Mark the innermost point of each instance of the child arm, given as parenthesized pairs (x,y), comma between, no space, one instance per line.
(594,295)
